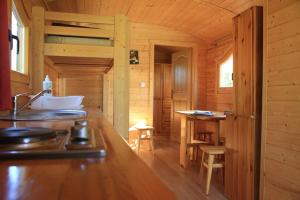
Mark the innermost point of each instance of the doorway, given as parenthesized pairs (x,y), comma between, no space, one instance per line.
(172,88)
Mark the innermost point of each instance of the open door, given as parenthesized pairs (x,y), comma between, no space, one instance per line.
(181,88)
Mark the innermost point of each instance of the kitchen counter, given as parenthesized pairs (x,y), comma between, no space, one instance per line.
(120,175)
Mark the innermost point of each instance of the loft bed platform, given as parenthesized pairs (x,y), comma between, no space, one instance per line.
(78,35)
(78,41)
(85,43)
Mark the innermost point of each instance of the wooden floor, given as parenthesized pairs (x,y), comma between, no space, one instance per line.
(185,183)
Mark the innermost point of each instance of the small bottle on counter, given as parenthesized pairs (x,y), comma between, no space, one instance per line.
(47,85)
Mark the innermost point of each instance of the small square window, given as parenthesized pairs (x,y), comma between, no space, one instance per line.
(225,73)
(18,38)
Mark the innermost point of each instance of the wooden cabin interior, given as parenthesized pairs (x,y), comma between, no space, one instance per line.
(179,99)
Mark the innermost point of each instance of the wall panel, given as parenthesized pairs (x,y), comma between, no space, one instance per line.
(281,135)
(108,95)
(217,51)
(87,85)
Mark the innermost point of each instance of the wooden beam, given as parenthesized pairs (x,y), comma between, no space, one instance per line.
(38,19)
(84,18)
(121,77)
(87,51)
(74,31)
(81,65)
(80,69)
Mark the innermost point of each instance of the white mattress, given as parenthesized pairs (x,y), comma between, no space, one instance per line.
(78,40)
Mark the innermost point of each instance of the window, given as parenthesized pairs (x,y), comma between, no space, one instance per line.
(225,73)
(17,42)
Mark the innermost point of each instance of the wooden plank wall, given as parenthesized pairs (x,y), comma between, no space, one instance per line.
(281,127)
(218,101)
(53,75)
(216,52)
(88,85)
(140,38)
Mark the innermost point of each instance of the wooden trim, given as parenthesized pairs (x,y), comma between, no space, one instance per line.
(194,93)
(87,51)
(264,102)
(84,18)
(48,61)
(22,13)
(19,77)
(26,23)
(85,32)
(46,5)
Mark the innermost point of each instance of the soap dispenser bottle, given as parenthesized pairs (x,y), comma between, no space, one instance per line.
(47,85)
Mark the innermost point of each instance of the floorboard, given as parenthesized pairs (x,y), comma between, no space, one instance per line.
(185,183)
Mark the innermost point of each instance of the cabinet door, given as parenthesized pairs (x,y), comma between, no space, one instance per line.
(243,146)
(243,64)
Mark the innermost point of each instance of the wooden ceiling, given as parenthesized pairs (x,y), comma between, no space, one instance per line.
(206,19)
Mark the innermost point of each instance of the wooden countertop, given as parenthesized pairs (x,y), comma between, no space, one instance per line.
(121,175)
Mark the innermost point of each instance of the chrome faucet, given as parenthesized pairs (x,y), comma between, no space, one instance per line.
(16,110)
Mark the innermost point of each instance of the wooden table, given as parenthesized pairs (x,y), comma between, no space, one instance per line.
(121,175)
(187,127)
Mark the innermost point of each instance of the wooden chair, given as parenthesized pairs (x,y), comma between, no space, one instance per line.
(195,146)
(209,161)
(204,136)
(201,138)
(145,133)
(222,141)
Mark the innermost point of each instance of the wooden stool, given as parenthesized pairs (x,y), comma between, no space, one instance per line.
(210,164)
(145,133)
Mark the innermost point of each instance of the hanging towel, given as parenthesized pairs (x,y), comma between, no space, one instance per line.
(5,90)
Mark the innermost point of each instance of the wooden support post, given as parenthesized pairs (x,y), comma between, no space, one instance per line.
(121,76)
(38,15)
(183,140)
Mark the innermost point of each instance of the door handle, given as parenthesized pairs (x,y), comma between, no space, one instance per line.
(12,37)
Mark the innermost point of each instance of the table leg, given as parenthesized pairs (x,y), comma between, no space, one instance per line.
(183,141)
(190,133)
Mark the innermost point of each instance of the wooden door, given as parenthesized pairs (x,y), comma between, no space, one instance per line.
(181,89)
(158,90)
(162,98)
(167,99)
